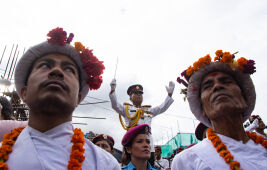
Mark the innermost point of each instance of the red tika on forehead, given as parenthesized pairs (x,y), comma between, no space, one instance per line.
(214,74)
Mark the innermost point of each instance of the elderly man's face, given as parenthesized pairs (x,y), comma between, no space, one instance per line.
(54,79)
(220,94)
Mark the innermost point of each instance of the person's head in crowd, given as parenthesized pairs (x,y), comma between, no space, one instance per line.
(136,145)
(220,92)
(158,152)
(6,111)
(53,77)
(105,142)
(136,94)
(200,131)
(262,125)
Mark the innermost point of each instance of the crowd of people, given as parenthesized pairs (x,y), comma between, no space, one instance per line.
(53,77)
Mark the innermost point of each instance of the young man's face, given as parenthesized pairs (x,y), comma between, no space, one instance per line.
(137,97)
(54,79)
(157,152)
(221,94)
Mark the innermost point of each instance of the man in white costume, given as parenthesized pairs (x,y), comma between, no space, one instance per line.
(52,78)
(136,114)
(221,95)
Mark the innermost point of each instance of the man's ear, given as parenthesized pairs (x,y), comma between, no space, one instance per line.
(23,93)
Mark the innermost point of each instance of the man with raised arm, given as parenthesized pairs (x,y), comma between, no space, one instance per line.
(135,113)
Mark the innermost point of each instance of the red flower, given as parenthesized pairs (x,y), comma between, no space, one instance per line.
(57,36)
(95,82)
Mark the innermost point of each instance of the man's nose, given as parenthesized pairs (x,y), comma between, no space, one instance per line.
(217,86)
(56,73)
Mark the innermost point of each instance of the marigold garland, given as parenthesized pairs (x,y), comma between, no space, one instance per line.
(76,156)
(6,148)
(257,139)
(246,66)
(225,153)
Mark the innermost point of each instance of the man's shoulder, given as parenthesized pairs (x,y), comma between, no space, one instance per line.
(103,158)
(127,104)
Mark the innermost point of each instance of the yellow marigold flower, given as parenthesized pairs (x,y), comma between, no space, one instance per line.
(219,53)
(189,71)
(79,46)
(241,62)
(227,57)
(196,65)
(207,59)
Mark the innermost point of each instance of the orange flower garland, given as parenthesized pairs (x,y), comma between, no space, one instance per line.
(257,139)
(222,150)
(6,148)
(225,153)
(76,156)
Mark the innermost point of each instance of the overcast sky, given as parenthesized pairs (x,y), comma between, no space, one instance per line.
(154,42)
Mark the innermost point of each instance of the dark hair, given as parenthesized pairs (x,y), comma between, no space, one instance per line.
(31,67)
(126,157)
(7,110)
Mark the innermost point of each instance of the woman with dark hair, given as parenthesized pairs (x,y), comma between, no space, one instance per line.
(136,146)
(6,109)
(7,119)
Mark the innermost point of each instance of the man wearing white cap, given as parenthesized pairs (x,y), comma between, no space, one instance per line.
(52,78)
(222,96)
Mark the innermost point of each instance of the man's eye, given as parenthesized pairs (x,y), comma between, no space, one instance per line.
(206,86)
(69,69)
(44,65)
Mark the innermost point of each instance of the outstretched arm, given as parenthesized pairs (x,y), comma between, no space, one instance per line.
(254,125)
(166,104)
(113,99)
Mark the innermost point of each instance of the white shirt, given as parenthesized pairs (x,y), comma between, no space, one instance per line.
(51,150)
(121,109)
(162,163)
(203,156)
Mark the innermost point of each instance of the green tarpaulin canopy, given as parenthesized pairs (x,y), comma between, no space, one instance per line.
(181,140)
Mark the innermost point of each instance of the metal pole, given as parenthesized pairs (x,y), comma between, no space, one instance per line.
(178,126)
(3,55)
(14,66)
(12,63)
(8,60)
